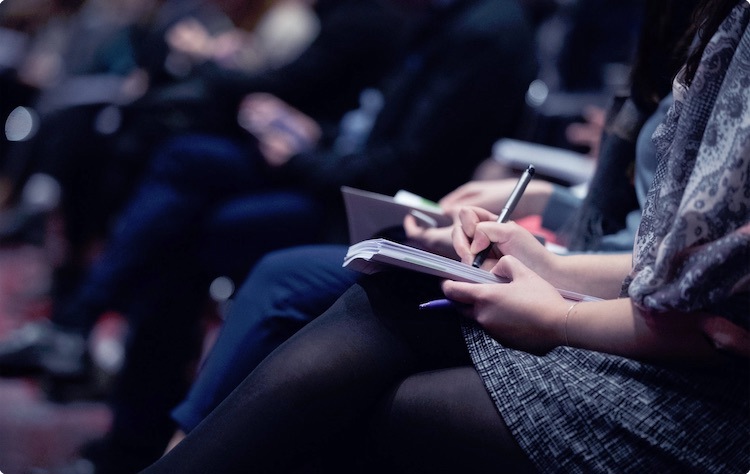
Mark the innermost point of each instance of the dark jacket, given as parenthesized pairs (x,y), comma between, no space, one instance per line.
(460,87)
(357,44)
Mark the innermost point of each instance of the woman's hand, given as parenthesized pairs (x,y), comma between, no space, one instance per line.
(434,239)
(528,313)
(477,229)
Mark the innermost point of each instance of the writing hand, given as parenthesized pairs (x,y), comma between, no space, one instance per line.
(477,229)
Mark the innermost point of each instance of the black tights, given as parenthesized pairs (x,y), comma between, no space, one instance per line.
(372,371)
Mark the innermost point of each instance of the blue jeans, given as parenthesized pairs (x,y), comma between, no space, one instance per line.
(192,180)
(286,290)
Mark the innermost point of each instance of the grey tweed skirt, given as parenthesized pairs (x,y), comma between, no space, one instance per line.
(578,411)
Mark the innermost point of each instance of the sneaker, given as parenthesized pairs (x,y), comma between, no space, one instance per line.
(41,348)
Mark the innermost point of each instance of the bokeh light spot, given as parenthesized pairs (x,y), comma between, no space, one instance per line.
(21,124)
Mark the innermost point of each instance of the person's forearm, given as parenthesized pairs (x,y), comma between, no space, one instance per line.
(559,207)
(534,199)
(619,327)
(598,275)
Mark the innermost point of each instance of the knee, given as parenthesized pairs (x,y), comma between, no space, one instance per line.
(268,287)
(295,285)
(275,269)
(189,159)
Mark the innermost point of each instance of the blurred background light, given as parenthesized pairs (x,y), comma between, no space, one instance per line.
(21,124)
(537,93)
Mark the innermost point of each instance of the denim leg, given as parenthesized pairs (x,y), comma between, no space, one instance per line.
(188,177)
(285,291)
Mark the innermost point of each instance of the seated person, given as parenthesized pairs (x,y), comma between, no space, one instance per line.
(510,375)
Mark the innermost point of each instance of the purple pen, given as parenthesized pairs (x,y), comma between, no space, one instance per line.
(437,304)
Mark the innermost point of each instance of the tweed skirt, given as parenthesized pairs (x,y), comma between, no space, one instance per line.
(578,411)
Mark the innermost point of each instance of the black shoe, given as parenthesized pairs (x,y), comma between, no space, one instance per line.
(41,348)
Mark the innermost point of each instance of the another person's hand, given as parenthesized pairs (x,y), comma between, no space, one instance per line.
(589,133)
(434,239)
(528,313)
(282,131)
(493,194)
(726,336)
(135,85)
(229,46)
(190,38)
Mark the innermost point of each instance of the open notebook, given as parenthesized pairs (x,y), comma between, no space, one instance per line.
(374,255)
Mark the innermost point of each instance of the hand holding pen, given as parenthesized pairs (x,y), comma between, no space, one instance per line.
(507,210)
(510,205)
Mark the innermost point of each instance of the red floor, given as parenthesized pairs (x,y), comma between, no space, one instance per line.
(35,433)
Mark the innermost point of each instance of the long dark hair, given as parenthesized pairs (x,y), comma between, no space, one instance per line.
(661,50)
(706,21)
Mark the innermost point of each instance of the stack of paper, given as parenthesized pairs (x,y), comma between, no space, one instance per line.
(374,255)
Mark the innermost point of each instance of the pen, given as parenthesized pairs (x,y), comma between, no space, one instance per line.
(443,303)
(437,304)
(505,213)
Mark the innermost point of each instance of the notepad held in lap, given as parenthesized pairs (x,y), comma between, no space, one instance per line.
(374,255)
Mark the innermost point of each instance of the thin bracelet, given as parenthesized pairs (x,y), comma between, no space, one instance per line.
(565,327)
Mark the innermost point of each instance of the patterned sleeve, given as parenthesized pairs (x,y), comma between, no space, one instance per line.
(693,246)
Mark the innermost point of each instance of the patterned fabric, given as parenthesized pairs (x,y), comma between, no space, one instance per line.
(578,411)
(693,247)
